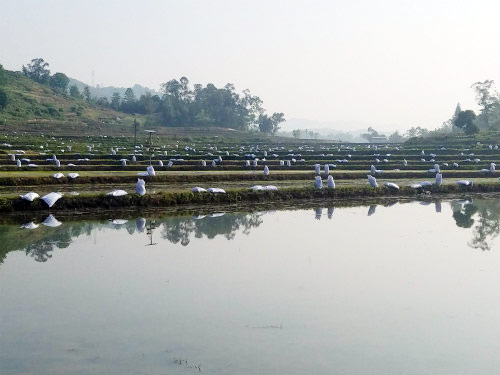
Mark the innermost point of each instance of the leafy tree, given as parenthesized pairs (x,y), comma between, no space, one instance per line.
(3,100)
(396,137)
(129,95)
(471,129)
(115,101)
(59,82)
(466,121)
(149,103)
(172,88)
(37,71)
(74,92)
(412,132)
(277,118)
(265,124)
(103,101)
(129,103)
(270,124)
(488,99)
(296,133)
(184,92)
(86,94)
(417,132)
(3,76)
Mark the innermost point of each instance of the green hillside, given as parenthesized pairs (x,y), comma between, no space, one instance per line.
(33,106)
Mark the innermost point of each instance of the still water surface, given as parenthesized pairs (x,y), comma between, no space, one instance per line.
(407,288)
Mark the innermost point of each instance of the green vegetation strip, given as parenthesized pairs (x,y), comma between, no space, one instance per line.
(213,177)
(171,199)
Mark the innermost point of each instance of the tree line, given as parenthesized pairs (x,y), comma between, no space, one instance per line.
(3,94)
(178,105)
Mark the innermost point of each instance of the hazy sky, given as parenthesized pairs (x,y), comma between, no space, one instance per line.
(386,63)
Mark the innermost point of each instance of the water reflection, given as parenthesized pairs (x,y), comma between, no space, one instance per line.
(463,212)
(150,227)
(179,229)
(283,296)
(140,224)
(318,212)
(330,212)
(53,237)
(480,216)
(437,206)
(485,214)
(51,221)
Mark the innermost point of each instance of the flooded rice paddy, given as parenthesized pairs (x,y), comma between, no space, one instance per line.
(384,288)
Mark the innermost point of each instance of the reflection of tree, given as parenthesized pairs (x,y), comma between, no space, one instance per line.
(487,221)
(59,238)
(462,213)
(488,224)
(42,241)
(178,229)
(41,250)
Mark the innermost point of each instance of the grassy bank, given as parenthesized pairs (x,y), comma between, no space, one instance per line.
(173,199)
(122,177)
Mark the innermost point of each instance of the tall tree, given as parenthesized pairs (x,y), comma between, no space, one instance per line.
(129,95)
(37,70)
(115,101)
(184,92)
(277,119)
(129,103)
(59,82)
(488,99)
(74,92)
(270,124)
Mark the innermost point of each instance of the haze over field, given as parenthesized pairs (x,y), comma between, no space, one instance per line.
(390,64)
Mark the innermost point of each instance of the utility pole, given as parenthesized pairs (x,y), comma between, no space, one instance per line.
(135,133)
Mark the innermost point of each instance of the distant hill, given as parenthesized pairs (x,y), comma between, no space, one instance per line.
(100,91)
(325,130)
